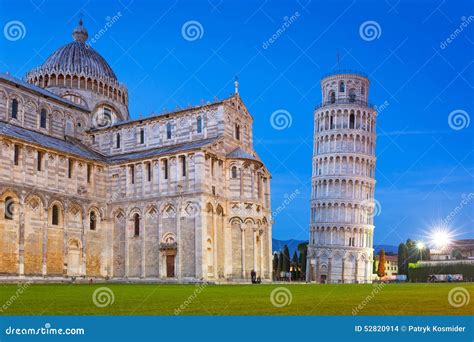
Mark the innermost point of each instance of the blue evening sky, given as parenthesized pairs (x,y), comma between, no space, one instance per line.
(424,166)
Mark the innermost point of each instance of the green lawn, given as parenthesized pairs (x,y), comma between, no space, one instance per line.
(149,299)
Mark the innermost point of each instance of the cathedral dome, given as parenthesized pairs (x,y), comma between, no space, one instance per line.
(77,58)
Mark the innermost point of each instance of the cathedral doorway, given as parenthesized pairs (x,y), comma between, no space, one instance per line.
(170,266)
(73,258)
(323,279)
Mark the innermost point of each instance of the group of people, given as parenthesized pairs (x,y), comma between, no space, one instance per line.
(255,279)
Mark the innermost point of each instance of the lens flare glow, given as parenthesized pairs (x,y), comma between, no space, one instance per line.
(441,238)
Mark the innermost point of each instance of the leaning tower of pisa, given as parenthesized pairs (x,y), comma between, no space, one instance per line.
(342,195)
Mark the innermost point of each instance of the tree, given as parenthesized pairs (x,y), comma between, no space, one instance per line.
(280,264)
(381,268)
(402,259)
(303,257)
(296,272)
(456,254)
(275,263)
(286,259)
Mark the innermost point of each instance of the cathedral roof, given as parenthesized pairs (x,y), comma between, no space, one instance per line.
(76,148)
(47,141)
(155,152)
(38,90)
(239,153)
(77,58)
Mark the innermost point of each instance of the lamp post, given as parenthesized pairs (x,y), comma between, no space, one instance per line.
(420,245)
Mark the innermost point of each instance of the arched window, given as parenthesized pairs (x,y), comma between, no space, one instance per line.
(9,207)
(136,224)
(332,97)
(55,215)
(352,121)
(234,172)
(168,130)
(117,140)
(199,124)
(352,95)
(14,109)
(342,87)
(43,118)
(237,132)
(92,221)
(142,136)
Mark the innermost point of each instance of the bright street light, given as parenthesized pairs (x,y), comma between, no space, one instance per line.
(441,237)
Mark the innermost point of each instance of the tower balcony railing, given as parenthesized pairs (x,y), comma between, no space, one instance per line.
(344,72)
(345,101)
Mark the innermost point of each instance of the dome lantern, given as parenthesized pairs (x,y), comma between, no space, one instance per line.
(80,33)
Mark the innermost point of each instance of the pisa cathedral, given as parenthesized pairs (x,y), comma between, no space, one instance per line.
(86,192)
(342,195)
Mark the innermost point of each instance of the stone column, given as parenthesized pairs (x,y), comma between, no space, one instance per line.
(329,279)
(214,243)
(243,251)
(83,270)
(143,245)
(127,237)
(317,275)
(356,270)
(254,249)
(21,237)
(45,243)
(343,269)
(178,239)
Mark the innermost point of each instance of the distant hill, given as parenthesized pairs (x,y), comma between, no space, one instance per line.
(386,248)
(277,245)
(293,245)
